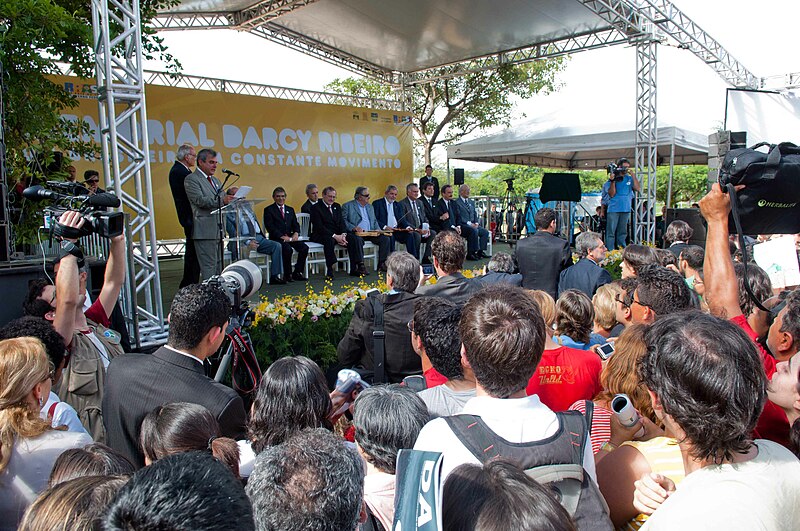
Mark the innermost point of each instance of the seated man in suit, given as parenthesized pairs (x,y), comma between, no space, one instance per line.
(313,197)
(416,216)
(542,256)
(359,216)
(250,235)
(586,275)
(329,230)
(390,216)
(446,211)
(448,259)
(429,204)
(138,383)
(477,237)
(356,348)
(282,227)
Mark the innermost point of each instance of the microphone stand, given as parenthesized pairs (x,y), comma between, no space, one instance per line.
(221,224)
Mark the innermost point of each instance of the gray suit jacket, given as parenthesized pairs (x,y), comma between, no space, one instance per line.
(202,197)
(352,216)
(415,222)
(455,287)
(466,213)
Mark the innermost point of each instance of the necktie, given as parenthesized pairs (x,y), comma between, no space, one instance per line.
(211,182)
(283,214)
(416,214)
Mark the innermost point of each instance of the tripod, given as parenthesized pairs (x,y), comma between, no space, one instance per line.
(509,216)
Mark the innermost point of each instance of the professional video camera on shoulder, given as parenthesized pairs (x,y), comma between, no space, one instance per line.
(69,196)
(617,171)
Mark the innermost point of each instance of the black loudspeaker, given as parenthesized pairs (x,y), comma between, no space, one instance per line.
(560,187)
(694,219)
(738,140)
(458,176)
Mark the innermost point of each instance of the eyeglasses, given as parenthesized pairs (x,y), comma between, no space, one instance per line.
(51,374)
(410,326)
(93,181)
(622,302)
(634,301)
(365,195)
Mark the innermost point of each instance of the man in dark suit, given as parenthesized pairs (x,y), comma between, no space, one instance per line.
(359,216)
(416,215)
(205,195)
(448,259)
(429,204)
(356,349)
(391,216)
(177,175)
(586,275)
(542,256)
(313,198)
(429,178)
(138,383)
(477,237)
(329,230)
(282,226)
(447,212)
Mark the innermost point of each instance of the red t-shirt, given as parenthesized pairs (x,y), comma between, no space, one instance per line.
(433,378)
(772,424)
(565,375)
(97,313)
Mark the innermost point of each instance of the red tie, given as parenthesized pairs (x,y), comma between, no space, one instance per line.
(283,214)
(214,186)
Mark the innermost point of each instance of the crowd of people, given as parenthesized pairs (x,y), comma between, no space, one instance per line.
(513,378)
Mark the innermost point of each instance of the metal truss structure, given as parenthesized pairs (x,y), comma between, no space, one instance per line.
(646,141)
(266,91)
(122,119)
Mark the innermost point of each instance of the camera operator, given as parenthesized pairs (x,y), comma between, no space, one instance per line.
(90,341)
(622,183)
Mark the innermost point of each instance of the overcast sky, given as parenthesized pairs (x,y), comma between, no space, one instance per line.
(598,86)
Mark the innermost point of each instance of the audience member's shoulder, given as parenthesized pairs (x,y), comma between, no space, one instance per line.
(130,360)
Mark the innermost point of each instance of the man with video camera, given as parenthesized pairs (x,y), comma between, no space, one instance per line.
(90,341)
(621,186)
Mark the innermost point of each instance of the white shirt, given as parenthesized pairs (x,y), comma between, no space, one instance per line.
(198,360)
(762,493)
(391,221)
(63,414)
(513,419)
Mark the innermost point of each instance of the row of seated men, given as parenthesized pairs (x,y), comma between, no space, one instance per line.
(412,221)
(385,221)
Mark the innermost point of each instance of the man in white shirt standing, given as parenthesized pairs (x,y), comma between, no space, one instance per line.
(502,336)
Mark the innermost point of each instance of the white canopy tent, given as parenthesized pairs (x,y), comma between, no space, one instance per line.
(547,143)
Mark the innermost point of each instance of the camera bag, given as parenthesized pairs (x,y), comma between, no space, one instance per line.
(770,201)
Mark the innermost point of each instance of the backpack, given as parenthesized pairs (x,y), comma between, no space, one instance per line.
(378,338)
(556,462)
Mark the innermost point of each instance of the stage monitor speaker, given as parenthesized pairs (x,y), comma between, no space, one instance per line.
(458,176)
(694,219)
(560,187)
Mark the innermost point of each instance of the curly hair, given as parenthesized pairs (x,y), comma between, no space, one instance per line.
(574,315)
(620,372)
(709,378)
(436,323)
(41,329)
(387,419)
(664,291)
(293,395)
(759,282)
(448,249)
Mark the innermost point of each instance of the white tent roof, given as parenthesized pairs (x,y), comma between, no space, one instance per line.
(547,143)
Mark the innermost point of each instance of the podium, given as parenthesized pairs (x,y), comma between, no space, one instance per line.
(235,242)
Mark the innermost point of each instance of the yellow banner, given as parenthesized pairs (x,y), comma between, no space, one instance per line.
(269,142)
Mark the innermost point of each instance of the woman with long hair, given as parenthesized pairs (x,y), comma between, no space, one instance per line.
(28,444)
(575,320)
(183,427)
(635,256)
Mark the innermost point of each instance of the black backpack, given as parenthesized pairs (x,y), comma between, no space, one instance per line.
(556,462)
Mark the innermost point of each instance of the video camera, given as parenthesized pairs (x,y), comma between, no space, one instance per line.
(239,281)
(616,171)
(71,196)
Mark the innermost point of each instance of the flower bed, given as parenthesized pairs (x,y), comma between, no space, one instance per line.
(310,325)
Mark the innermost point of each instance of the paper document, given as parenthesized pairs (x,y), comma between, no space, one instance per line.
(242,192)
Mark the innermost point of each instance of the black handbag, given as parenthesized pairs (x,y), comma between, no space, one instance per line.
(770,201)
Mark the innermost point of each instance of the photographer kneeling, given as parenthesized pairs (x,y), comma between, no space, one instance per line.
(90,342)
